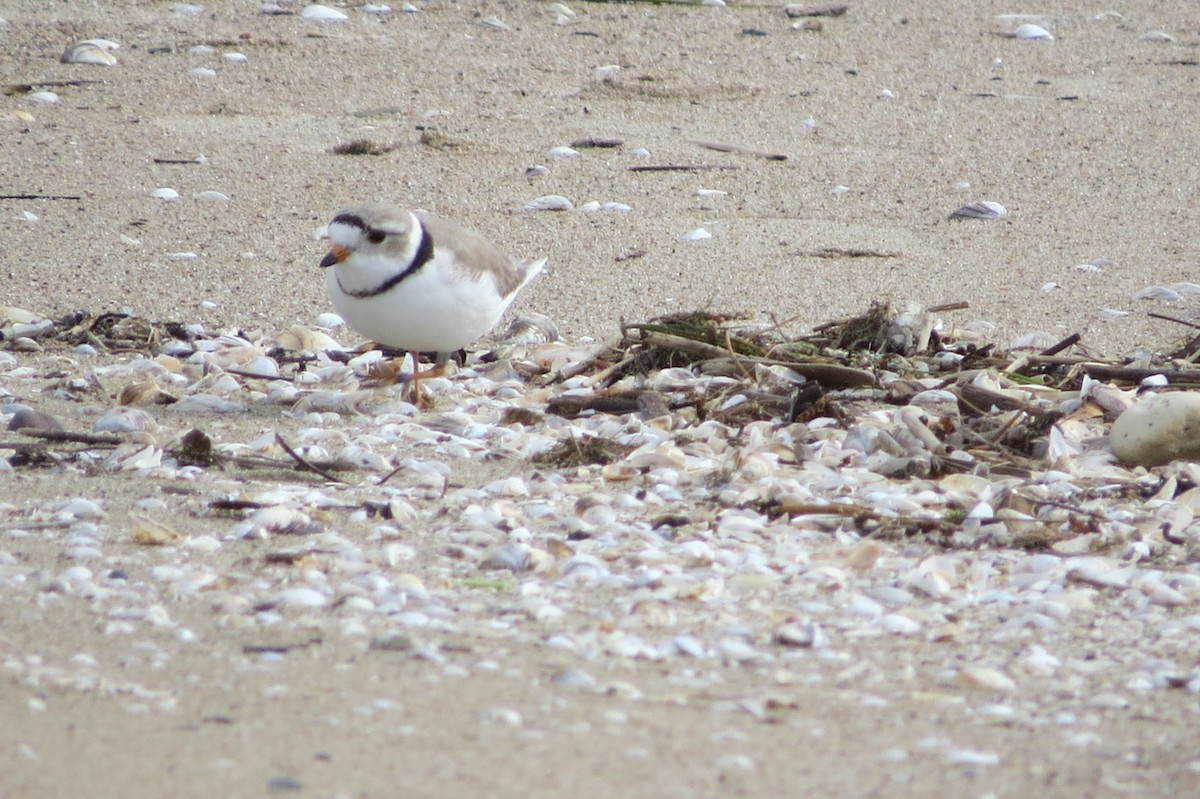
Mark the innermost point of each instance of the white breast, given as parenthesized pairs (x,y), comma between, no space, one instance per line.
(436,309)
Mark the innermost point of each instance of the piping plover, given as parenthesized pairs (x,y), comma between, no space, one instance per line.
(413,281)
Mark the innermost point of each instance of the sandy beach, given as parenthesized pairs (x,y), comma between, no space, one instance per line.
(878,126)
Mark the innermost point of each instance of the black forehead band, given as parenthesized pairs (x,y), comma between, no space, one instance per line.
(352,220)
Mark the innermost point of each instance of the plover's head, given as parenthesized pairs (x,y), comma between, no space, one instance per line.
(375,229)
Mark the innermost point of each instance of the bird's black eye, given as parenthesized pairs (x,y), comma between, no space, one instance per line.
(376,236)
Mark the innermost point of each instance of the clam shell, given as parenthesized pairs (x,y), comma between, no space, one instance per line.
(1031,32)
(90,52)
(321,13)
(549,202)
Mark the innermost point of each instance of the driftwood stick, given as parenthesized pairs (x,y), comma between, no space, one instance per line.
(1133,375)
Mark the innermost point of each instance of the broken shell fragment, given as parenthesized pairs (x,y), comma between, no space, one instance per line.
(985,209)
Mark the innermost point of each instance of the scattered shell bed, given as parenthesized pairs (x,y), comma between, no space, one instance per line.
(695,490)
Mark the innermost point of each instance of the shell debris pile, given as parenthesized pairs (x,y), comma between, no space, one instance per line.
(694,490)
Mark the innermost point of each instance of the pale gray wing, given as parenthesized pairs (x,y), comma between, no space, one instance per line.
(475,254)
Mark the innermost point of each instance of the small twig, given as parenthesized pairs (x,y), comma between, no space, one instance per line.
(722,147)
(296,457)
(1166,318)
(20,88)
(961,305)
(391,474)
(680,167)
(75,197)
(257,376)
(76,438)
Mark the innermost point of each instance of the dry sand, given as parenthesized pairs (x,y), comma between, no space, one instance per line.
(1088,140)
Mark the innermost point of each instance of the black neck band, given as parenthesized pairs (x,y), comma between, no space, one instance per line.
(422,256)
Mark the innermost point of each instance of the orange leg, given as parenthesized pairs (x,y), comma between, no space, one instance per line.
(439,368)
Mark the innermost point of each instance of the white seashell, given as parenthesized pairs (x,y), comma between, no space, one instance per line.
(549,202)
(300,598)
(44,97)
(30,217)
(713,3)
(124,420)
(1046,288)
(147,458)
(235,58)
(299,338)
(563,152)
(987,678)
(590,207)
(187,9)
(607,73)
(899,624)
(1185,289)
(985,209)
(380,10)
(210,197)
(618,208)
(886,94)
(330,321)
(699,234)
(167,195)
(707,193)
(1035,340)
(559,10)
(90,52)
(80,508)
(639,152)
(182,256)
(1158,429)
(1112,313)
(203,73)
(321,13)
(1031,32)
(514,557)
(409,8)
(1156,37)
(1158,293)
(535,170)
(972,758)
(492,22)
(206,403)
(201,50)
(839,190)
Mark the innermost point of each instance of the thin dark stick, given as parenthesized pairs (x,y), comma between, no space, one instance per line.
(1069,341)
(680,167)
(40,197)
(296,457)
(257,376)
(1166,318)
(63,435)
